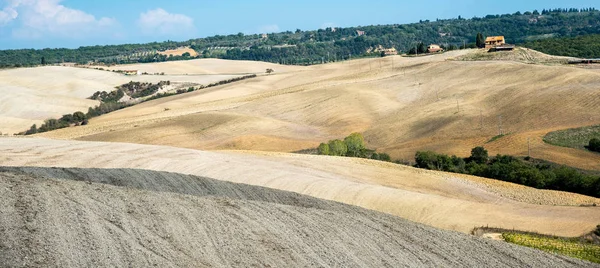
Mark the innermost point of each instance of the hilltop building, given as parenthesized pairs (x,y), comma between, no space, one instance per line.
(494,41)
(433,48)
(360,33)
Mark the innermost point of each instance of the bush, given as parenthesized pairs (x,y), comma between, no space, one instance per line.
(479,155)
(324,149)
(594,145)
(338,148)
(355,144)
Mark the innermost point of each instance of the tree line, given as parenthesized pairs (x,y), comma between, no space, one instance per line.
(324,45)
(530,172)
(351,146)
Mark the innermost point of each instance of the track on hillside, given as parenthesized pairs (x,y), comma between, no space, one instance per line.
(123,217)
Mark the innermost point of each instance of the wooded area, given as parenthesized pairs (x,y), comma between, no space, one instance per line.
(334,44)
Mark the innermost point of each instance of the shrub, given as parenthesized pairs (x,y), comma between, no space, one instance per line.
(324,149)
(338,148)
(355,144)
(594,145)
(479,155)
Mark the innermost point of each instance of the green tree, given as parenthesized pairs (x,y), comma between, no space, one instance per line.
(594,145)
(324,149)
(421,48)
(479,155)
(32,130)
(355,144)
(78,117)
(338,148)
(480,41)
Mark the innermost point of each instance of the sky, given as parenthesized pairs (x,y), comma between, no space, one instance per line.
(74,23)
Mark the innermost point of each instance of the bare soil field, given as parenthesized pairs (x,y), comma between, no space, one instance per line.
(442,200)
(123,217)
(401,105)
(31,95)
(179,52)
(207,66)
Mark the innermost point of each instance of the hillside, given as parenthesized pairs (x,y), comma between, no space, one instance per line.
(31,95)
(402,105)
(314,46)
(447,201)
(120,217)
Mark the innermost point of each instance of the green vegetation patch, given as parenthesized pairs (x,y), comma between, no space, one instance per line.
(572,247)
(586,46)
(497,137)
(577,138)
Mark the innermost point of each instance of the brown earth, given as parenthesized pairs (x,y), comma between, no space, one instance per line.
(401,105)
(137,218)
(179,52)
(437,199)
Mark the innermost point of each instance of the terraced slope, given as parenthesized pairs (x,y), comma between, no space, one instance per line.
(123,217)
(437,199)
(401,105)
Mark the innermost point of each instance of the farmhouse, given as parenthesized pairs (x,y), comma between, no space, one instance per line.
(494,41)
(433,48)
(390,51)
(360,33)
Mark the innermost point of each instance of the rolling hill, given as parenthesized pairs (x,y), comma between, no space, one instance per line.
(441,103)
(121,217)
(443,200)
(31,95)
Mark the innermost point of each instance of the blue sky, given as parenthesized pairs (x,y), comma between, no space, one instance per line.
(74,23)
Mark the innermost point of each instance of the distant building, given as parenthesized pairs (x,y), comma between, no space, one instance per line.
(333,29)
(433,48)
(390,51)
(264,36)
(360,33)
(494,41)
(131,72)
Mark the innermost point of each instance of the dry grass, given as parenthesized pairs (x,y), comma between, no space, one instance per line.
(434,198)
(179,52)
(569,247)
(410,107)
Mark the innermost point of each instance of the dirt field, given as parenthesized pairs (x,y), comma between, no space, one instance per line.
(425,103)
(208,66)
(179,52)
(95,217)
(31,95)
(438,199)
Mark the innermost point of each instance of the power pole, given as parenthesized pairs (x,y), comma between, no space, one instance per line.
(528,147)
(500,125)
(481,118)
(457,106)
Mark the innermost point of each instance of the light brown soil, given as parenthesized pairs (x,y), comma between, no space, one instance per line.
(179,52)
(136,218)
(426,103)
(438,199)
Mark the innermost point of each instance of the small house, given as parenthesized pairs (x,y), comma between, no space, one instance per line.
(390,51)
(433,48)
(360,33)
(494,41)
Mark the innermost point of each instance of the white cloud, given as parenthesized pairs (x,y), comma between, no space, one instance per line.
(7,15)
(273,28)
(41,18)
(161,22)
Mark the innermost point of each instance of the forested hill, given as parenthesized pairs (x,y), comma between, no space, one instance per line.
(310,47)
